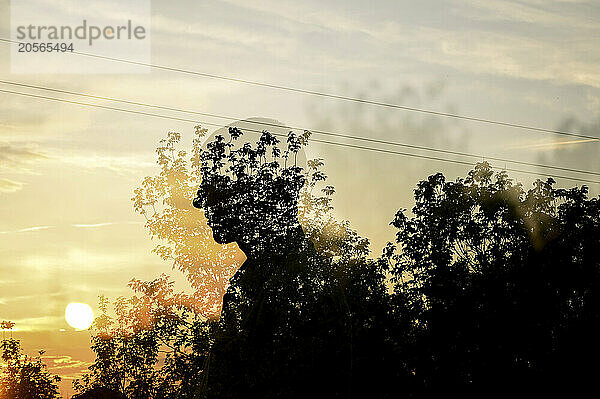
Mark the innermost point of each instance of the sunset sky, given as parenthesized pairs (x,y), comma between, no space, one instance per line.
(68,232)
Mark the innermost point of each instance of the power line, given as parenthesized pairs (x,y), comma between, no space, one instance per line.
(323,132)
(327,95)
(419,156)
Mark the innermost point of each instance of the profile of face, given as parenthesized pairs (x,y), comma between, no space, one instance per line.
(218,204)
(250,194)
(255,212)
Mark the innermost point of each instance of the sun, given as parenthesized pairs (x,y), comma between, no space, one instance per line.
(79,315)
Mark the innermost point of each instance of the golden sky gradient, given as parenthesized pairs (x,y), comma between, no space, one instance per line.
(68,232)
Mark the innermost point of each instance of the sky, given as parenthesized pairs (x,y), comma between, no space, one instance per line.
(68,232)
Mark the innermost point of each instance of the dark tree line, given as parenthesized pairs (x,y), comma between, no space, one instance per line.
(501,286)
(489,290)
(22,376)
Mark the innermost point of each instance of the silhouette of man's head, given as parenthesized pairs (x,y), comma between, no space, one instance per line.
(250,194)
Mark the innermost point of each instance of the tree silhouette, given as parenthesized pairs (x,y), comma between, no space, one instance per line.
(153,346)
(489,291)
(100,393)
(294,319)
(501,285)
(24,377)
(165,200)
(181,323)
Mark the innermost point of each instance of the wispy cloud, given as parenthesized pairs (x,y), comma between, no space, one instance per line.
(66,366)
(75,225)
(16,156)
(95,225)
(78,259)
(21,298)
(511,55)
(27,229)
(9,186)
(496,50)
(552,146)
(114,163)
(34,228)
(64,363)
(536,12)
(42,323)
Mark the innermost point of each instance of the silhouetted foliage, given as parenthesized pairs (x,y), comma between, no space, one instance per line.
(490,290)
(501,285)
(165,200)
(296,321)
(100,393)
(24,377)
(153,347)
(183,328)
